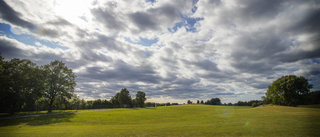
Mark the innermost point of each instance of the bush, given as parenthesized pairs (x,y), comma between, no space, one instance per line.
(254,104)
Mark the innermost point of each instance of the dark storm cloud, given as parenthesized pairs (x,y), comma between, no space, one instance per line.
(109,18)
(10,15)
(309,23)
(297,55)
(144,21)
(260,9)
(59,22)
(186,82)
(122,71)
(9,50)
(216,77)
(99,41)
(204,64)
(260,51)
(153,19)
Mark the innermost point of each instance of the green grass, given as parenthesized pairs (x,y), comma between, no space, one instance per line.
(185,120)
(310,106)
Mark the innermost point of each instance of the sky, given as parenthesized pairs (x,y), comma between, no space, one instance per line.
(173,50)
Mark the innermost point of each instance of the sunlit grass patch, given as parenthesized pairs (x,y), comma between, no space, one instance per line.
(184,120)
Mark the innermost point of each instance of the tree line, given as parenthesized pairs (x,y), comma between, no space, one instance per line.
(212,101)
(24,86)
(288,90)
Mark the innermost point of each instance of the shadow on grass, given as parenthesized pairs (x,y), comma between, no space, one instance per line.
(38,120)
(310,106)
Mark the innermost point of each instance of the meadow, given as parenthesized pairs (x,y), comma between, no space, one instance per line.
(183,120)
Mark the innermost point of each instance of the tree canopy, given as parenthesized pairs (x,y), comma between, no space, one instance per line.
(21,83)
(288,90)
(124,98)
(140,98)
(60,81)
(214,101)
(24,86)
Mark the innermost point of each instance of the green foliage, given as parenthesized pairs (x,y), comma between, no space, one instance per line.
(24,86)
(140,98)
(214,101)
(114,100)
(21,83)
(189,102)
(124,98)
(288,90)
(254,104)
(60,82)
(249,103)
(311,98)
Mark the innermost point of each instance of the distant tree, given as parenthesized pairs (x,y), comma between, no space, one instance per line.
(167,104)
(115,100)
(174,103)
(263,99)
(1,63)
(74,103)
(106,104)
(150,104)
(254,104)
(60,81)
(198,102)
(288,90)
(125,98)
(189,102)
(311,98)
(89,104)
(83,104)
(134,103)
(202,102)
(140,98)
(214,101)
(242,103)
(230,104)
(97,103)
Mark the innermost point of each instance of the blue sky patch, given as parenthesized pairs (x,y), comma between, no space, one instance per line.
(143,41)
(26,38)
(153,1)
(186,22)
(317,61)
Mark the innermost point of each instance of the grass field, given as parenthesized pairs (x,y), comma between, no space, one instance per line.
(184,120)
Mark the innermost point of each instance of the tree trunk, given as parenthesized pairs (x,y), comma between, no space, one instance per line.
(50,105)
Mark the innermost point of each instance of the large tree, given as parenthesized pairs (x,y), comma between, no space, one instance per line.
(60,82)
(21,83)
(288,90)
(124,98)
(140,98)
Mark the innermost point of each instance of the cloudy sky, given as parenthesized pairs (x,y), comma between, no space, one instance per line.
(173,50)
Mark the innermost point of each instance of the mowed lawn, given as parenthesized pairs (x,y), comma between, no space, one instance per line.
(183,120)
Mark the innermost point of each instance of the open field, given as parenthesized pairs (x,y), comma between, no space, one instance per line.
(184,120)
